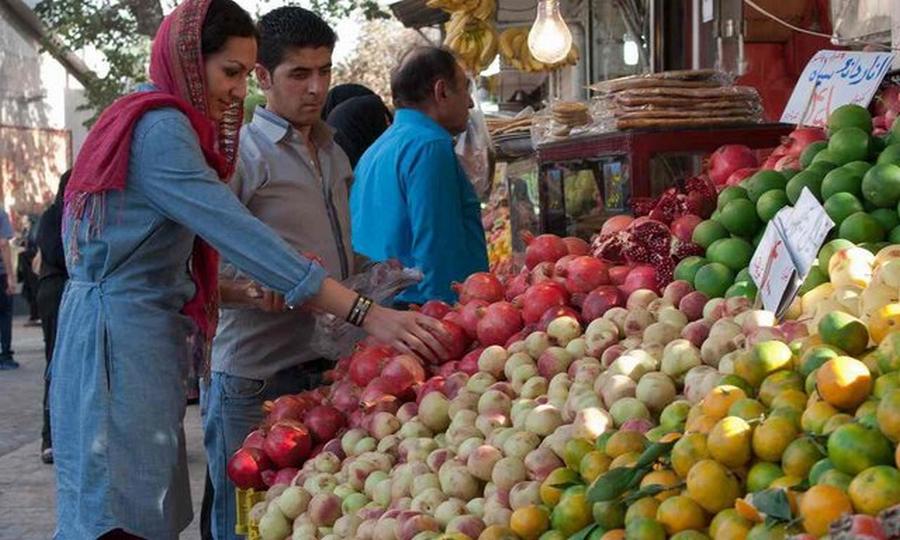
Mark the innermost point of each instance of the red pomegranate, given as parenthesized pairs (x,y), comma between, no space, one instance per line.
(435,309)
(554,313)
(544,248)
(480,286)
(457,341)
(541,297)
(403,371)
(585,274)
(683,227)
(740,175)
(245,468)
(615,224)
(729,158)
(324,422)
(366,363)
(601,300)
(498,322)
(469,362)
(577,246)
(470,314)
(288,443)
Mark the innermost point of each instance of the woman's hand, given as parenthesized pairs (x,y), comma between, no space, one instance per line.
(408,332)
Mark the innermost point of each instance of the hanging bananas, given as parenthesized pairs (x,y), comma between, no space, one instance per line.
(513,45)
(473,40)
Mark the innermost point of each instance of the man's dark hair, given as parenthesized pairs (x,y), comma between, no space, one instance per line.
(287,27)
(224,19)
(420,68)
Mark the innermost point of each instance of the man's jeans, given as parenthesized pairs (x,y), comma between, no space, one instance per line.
(232,408)
(6,318)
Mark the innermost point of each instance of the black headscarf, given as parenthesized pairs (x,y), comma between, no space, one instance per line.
(342,93)
(358,122)
(49,234)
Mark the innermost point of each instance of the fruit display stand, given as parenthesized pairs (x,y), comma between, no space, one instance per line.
(620,162)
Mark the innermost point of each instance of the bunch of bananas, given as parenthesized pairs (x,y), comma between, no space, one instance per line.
(480,9)
(473,40)
(514,49)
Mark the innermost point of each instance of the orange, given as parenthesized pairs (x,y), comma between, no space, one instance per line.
(712,486)
(869,406)
(761,475)
(642,508)
(729,525)
(729,441)
(496,532)
(700,424)
(529,522)
(687,451)
(624,442)
(573,512)
(550,495)
(815,416)
(574,450)
(747,408)
(835,422)
(645,529)
(875,489)
(689,534)
(625,460)
(853,448)
(888,415)
(615,534)
(680,513)
(820,506)
(663,477)
(593,464)
(609,514)
(799,457)
(836,478)
(794,398)
(884,321)
(720,399)
(844,382)
(772,437)
(763,532)
(778,382)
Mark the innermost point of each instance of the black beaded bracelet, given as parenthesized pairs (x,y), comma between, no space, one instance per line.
(360,309)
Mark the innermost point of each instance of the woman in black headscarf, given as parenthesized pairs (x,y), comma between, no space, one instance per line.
(52,281)
(358,122)
(342,93)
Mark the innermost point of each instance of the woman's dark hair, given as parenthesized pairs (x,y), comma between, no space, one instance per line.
(412,81)
(341,93)
(224,19)
(358,122)
(291,27)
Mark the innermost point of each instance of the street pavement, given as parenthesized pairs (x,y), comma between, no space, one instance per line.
(27,497)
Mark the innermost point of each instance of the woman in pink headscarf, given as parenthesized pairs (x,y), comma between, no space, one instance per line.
(147,212)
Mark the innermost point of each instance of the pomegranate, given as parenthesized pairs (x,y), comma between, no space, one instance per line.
(617,274)
(448,368)
(788,162)
(469,362)
(287,407)
(729,158)
(470,314)
(245,468)
(544,271)
(740,175)
(480,286)
(561,268)
(857,527)
(554,313)
(517,285)
(345,396)
(457,341)
(585,274)
(641,277)
(615,224)
(435,309)
(254,439)
(324,422)
(366,363)
(434,384)
(577,246)
(600,300)
(541,297)
(288,443)
(376,388)
(544,248)
(403,371)
(800,138)
(285,476)
(498,323)
(683,227)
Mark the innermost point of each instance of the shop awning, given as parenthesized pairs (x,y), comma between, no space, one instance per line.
(416,14)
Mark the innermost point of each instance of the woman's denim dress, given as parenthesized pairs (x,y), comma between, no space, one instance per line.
(118,394)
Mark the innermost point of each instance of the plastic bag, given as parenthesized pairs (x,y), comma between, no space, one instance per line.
(334,337)
(473,148)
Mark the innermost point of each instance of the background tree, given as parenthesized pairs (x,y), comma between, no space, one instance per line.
(121,30)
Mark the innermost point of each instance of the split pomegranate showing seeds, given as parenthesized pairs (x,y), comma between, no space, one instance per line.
(480,286)
(246,466)
(499,321)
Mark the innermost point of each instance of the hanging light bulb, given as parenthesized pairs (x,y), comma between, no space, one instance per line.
(549,39)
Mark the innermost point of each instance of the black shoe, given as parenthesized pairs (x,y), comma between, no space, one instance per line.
(8,364)
(47,456)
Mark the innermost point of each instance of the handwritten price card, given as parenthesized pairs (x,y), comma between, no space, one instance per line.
(832,79)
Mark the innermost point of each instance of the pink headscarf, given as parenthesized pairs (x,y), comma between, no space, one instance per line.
(177,71)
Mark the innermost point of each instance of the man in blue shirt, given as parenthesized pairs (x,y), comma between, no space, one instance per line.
(411,199)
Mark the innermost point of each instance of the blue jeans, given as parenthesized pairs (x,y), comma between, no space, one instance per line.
(6,318)
(232,408)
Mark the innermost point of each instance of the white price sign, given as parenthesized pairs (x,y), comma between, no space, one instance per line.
(832,79)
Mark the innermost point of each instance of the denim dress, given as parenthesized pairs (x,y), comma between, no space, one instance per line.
(121,356)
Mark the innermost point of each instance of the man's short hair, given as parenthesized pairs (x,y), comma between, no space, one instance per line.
(412,81)
(291,27)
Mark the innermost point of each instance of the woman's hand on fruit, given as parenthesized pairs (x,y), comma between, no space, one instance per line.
(408,332)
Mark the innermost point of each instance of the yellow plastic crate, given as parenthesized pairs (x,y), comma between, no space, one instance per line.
(246,498)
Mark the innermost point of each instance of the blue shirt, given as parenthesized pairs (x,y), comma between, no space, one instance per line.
(411,201)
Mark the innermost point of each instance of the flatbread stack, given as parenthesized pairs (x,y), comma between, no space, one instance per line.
(673,99)
(568,115)
(508,126)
